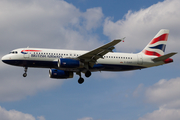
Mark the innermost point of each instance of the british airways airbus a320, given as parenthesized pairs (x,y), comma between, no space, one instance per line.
(64,63)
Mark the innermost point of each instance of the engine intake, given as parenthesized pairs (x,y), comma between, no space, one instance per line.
(60,74)
(69,63)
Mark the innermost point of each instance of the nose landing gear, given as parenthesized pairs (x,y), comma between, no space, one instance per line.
(25,70)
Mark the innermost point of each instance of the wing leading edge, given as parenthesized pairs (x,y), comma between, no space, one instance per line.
(92,56)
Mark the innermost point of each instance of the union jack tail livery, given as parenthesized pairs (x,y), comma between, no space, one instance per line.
(157,45)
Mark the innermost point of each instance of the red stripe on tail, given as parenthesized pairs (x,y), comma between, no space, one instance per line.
(152,53)
(163,37)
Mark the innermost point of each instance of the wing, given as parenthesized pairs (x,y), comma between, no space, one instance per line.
(92,56)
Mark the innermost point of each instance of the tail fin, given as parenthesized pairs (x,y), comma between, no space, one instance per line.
(157,45)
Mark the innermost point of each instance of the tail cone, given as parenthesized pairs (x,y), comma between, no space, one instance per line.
(169,60)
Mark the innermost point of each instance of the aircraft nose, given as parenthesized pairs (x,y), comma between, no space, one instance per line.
(5,59)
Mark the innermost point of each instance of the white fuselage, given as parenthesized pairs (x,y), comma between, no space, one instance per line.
(63,63)
(47,58)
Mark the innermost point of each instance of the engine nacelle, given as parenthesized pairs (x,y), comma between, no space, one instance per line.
(69,63)
(60,74)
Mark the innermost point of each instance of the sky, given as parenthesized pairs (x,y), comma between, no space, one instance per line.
(147,94)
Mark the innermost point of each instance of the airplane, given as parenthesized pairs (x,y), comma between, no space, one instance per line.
(64,63)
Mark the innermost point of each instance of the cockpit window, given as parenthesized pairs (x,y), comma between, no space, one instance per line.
(13,52)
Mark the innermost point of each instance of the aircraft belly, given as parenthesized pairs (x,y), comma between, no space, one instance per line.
(53,64)
(109,67)
(33,63)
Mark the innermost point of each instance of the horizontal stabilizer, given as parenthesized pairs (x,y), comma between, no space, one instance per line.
(164,57)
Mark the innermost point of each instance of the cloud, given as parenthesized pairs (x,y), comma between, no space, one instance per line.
(139,27)
(162,114)
(41,118)
(15,115)
(138,90)
(14,87)
(93,18)
(164,92)
(86,118)
(56,24)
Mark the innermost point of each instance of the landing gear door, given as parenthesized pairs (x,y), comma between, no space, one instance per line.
(140,59)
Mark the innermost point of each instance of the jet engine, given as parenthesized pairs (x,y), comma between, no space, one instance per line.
(60,74)
(69,63)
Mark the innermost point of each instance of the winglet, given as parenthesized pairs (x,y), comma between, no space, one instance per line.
(120,39)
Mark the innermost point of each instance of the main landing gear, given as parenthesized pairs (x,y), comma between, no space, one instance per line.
(81,80)
(25,70)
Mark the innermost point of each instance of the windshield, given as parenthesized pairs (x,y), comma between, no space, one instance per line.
(13,52)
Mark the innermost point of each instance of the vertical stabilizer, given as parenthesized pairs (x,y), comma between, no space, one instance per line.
(157,45)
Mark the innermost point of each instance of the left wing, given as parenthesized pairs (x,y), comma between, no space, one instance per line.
(92,56)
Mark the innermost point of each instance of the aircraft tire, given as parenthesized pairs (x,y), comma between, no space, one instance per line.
(25,74)
(88,74)
(81,80)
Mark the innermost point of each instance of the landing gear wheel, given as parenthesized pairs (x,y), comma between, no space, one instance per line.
(81,80)
(88,74)
(25,70)
(25,74)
